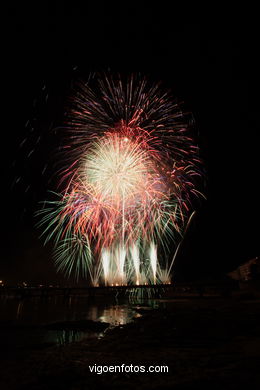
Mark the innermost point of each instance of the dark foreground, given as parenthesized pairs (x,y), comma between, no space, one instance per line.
(206,344)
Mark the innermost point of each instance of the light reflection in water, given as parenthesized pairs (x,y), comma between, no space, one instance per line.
(33,314)
(63,337)
(117,315)
(19,309)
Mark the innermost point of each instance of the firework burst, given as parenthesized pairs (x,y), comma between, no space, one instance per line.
(129,171)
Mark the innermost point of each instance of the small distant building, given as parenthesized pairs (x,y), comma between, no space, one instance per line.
(247,271)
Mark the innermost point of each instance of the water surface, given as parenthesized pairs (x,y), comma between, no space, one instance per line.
(22,321)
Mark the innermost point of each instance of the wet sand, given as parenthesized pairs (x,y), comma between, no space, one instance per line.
(206,343)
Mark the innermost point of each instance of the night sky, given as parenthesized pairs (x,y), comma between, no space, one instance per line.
(208,63)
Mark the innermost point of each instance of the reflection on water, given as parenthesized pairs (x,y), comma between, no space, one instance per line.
(19,309)
(28,317)
(42,311)
(62,337)
(117,315)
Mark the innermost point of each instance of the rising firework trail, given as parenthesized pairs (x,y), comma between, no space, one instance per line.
(128,175)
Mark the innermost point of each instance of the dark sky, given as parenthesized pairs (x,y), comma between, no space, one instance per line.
(207,62)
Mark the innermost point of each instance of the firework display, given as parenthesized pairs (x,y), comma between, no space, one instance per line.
(128,175)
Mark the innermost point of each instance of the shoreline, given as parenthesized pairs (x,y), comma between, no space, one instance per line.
(206,342)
